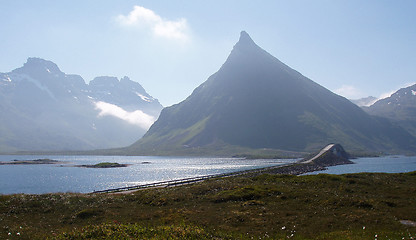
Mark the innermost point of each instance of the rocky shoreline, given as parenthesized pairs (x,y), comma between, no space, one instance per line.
(296,169)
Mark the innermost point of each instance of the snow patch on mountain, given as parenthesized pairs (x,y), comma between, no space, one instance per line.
(138,117)
(25,77)
(144,98)
(6,78)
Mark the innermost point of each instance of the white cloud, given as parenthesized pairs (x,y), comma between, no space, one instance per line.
(137,117)
(349,92)
(387,94)
(146,18)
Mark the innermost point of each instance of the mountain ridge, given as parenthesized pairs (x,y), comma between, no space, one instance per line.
(400,108)
(256,101)
(44,109)
(364,102)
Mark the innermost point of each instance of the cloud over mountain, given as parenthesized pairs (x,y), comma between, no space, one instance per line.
(138,117)
(349,91)
(45,109)
(147,19)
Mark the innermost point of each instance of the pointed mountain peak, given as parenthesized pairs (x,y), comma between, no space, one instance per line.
(252,56)
(245,48)
(245,40)
(244,36)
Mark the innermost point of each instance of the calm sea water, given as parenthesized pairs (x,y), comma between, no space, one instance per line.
(389,164)
(65,177)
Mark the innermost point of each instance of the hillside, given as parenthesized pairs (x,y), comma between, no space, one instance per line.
(254,101)
(350,206)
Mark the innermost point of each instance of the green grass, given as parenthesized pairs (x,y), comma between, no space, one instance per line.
(135,231)
(351,206)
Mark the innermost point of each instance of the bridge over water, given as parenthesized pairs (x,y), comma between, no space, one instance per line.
(336,154)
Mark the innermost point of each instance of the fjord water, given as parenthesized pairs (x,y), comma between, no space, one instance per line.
(65,177)
(387,164)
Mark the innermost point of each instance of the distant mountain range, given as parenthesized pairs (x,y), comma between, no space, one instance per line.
(255,101)
(364,102)
(400,108)
(44,109)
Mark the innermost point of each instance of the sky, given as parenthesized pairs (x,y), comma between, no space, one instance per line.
(352,47)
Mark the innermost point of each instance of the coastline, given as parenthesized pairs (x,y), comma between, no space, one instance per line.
(297,168)
(330,155)
(360,205)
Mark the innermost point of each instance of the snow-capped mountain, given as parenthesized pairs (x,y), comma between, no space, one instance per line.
(45,109)
(400,107)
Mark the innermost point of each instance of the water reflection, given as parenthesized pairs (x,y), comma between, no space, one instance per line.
(64,177)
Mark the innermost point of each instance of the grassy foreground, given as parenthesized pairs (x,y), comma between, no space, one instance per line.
(351,206)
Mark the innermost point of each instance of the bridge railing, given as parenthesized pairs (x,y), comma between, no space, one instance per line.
(167,183)
(177,182)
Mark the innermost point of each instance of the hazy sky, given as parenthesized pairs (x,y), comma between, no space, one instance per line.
(353,47)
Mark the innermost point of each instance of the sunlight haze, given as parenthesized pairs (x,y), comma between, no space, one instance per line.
(353,48)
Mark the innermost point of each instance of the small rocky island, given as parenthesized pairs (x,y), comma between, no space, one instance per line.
(27,162)
(103,165)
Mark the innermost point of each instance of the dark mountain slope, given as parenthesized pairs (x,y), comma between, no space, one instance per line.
(256,101)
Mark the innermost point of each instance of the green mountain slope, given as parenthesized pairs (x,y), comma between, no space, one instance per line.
(255,101)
